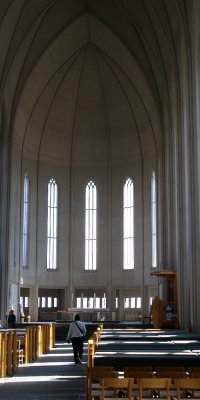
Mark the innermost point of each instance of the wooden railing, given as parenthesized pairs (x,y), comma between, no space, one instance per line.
(24,345)
(93,344)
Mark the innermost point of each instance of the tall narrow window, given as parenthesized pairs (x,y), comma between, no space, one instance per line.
(25,224)
(153,220)
(52,223)
(128,234)
(90,226)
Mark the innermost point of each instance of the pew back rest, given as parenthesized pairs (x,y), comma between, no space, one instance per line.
(187,383)
(116,384)
(94,375)
(154,383)
(129,373)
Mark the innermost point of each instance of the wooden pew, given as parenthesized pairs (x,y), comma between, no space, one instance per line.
(116,384)
(154,383)
(187,383)
(8,352)
(3,347)
(93,375)
(24,345)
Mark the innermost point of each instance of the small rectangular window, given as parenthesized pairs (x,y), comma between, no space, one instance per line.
(85,302)
(43,305)
(55,302)
(126,302)
(91,302)
(132,302)
(117,302)
(98,302)
(78,302)
(138,304)
(49,302)
(26,302)
(104,302)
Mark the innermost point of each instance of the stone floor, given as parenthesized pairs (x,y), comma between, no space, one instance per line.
(54,376)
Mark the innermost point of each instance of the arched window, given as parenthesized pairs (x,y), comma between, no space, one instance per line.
(153,220)
(25,223)
(90,226)
(128,220)
(52,224)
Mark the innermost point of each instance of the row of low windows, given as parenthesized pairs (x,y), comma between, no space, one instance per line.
(90,224)
(83,302)
(43,302)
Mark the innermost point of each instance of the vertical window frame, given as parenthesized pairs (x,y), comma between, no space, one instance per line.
(52,225)
(128,225)
(154,257)
(25,221)
(90,226)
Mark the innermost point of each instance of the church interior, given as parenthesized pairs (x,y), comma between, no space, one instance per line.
(99,101)
(99,160)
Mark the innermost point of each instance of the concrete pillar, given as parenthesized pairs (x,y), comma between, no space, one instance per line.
(33,303)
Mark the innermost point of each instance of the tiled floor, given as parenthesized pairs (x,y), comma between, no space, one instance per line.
(54,376)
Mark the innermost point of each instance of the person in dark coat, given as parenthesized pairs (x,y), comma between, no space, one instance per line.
(11,319)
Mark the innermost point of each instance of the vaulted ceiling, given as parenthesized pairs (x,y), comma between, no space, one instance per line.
(78,73)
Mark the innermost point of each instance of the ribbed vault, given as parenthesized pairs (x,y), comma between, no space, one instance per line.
(134,41)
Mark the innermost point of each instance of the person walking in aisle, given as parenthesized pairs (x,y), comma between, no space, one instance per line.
(76,334)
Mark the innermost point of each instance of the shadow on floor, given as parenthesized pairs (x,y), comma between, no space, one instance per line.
(54,376)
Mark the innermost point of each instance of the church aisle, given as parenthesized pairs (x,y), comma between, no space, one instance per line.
(52,377)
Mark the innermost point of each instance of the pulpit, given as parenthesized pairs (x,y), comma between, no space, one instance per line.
(164,311)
